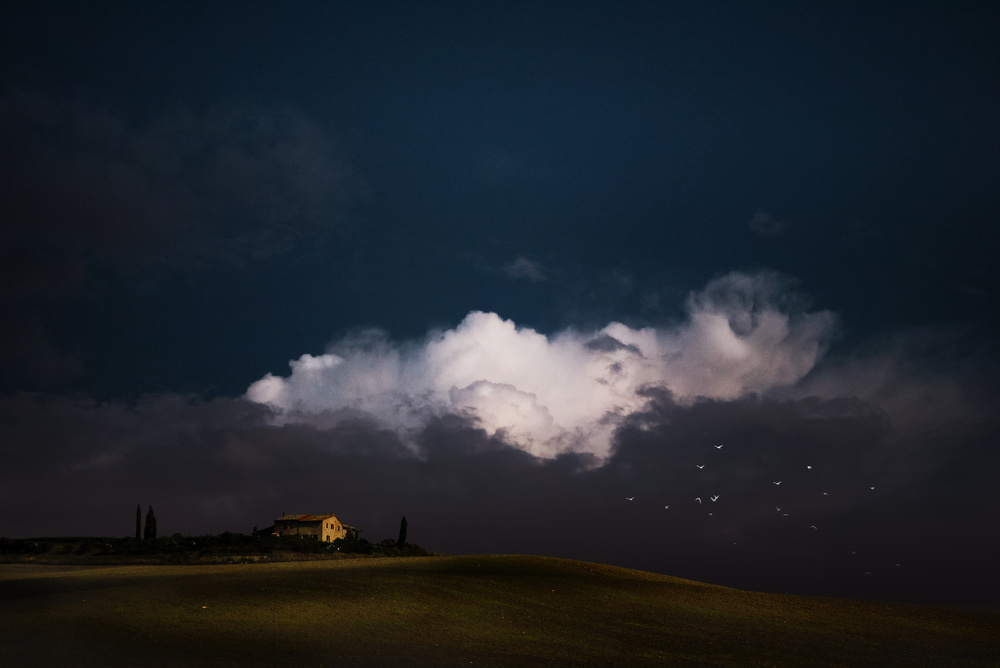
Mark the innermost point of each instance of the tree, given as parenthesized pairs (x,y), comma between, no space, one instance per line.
(138,521)
(402,534)
(150,533)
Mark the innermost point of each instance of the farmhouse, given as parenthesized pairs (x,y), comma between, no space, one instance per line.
(324,527)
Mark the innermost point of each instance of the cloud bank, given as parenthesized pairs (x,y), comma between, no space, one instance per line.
(223,465)
(743,334)
(229,183)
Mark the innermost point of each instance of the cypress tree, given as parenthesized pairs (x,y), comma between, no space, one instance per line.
(402,534)
(138,521)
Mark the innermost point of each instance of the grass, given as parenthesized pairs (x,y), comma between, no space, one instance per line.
(478,610)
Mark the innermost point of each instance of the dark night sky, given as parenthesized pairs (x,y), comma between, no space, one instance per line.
(526,260)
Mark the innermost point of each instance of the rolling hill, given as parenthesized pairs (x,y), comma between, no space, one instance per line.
(490,610)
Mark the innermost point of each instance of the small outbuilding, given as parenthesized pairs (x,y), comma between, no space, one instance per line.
(325,527)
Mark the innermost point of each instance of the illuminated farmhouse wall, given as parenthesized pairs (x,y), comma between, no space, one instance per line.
(324,527)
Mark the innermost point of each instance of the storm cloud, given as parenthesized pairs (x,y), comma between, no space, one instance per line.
(187,186)
(568,392)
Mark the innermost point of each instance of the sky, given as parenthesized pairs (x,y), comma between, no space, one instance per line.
(707,289)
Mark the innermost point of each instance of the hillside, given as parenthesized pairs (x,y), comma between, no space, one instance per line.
(474,610)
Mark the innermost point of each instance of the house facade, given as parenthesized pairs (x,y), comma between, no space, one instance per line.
(325,527)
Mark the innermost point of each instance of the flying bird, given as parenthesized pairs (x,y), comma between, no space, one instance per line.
(629,498)
(665,507)
(813,526)
(808,467)
(777,483)
(718,447)
(778,508)
(701,466)
(714,498)
(698,499)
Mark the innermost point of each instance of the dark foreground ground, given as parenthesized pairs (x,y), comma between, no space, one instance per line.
(444,611)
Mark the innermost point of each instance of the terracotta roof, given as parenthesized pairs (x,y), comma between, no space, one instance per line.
(306,517)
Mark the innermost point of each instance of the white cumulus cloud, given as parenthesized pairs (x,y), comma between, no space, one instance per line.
(569,391)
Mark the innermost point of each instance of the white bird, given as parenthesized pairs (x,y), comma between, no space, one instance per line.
(777,483)
(698,499)
(778,508)
(714,498)
(665,507)
(808,467)
(825,494)
(718,447)
(813,527)
(701,466)
(629,498)
(872,487)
